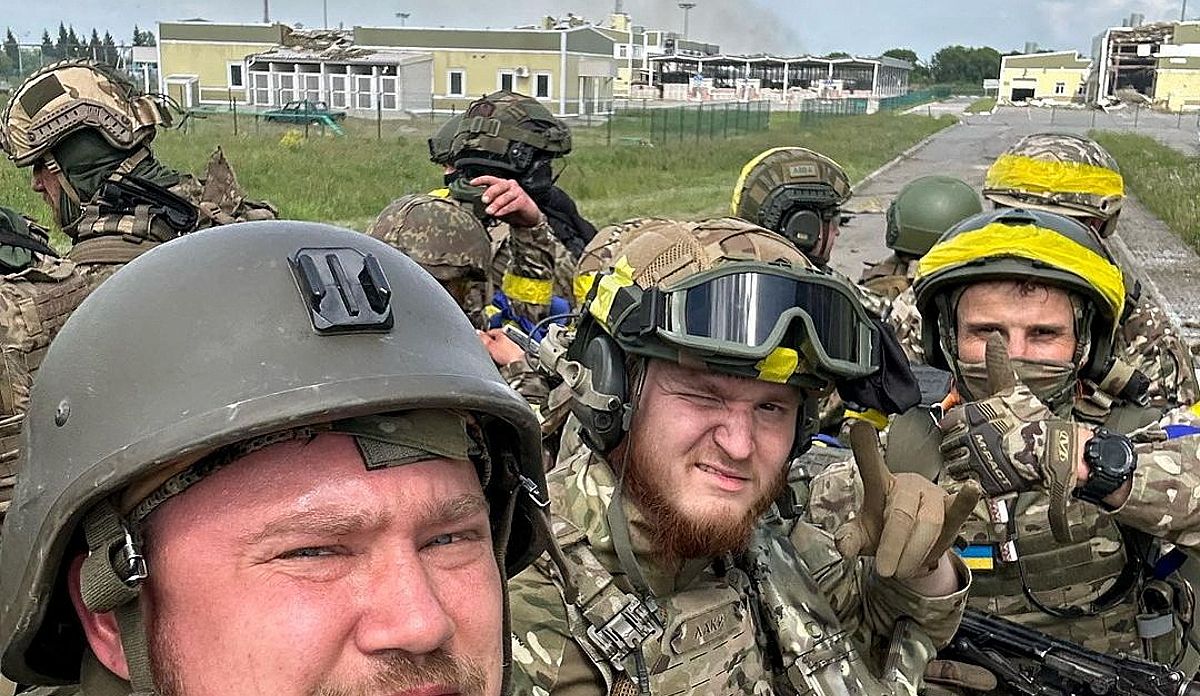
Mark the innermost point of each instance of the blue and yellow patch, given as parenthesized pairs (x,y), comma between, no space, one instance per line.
(978,556)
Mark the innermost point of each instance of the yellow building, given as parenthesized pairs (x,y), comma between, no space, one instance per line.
(1160,61)
(386,69)
(1058,76)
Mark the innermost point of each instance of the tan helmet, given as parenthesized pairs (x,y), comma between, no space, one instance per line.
(439,234)
(1059,173)
(68,96)
(795,192)
(599,254)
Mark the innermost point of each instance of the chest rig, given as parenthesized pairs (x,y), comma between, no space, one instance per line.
(754,624)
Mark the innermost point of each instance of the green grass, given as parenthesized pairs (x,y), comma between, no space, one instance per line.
(980,106)
(1164,179)
(348,180)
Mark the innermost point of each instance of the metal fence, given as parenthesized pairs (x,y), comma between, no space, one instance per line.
(20,61)
(646,124)
(912,99)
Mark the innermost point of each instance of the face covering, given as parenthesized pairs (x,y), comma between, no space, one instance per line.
(450,177)
(1051,381)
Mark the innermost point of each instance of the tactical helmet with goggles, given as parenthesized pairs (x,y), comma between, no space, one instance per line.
(62,98)
(273,328)
(1059,173)
(1021,245)
(738,298)
(797,193)
(924,209)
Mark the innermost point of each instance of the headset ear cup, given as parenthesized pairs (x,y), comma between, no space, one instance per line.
(808,423)
(603,428)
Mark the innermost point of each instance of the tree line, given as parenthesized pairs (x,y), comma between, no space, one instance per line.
(17,59)
(953,64)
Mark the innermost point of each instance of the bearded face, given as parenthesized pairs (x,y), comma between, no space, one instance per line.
(708,455)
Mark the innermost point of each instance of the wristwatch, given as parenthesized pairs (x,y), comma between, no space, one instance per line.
(1111,462)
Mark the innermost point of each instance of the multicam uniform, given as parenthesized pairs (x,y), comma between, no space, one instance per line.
(791,595)
(788,614)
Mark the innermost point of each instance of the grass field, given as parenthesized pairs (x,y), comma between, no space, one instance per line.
(1164,179)
(349,180)
(981,106)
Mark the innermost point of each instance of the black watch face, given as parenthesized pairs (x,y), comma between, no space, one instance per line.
(1114,455)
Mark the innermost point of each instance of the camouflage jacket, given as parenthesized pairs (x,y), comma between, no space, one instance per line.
(905,320)
(720,624)
(531,266)
(1077,573)
(889,277)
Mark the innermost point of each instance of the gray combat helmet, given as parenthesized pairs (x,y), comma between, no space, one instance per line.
(441,143)
(222,336)
(924,209)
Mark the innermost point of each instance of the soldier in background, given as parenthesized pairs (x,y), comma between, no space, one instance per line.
(86,131)
(452,245)
(1074,176)
(919,214)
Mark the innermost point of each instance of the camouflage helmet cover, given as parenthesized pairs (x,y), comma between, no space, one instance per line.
(68,96)
(440,234)
(127,389)
(599,254)
(1059,173)
(925,208)
(816,178)
(498,123)
(441,143)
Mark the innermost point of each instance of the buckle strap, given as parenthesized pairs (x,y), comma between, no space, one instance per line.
(634,624)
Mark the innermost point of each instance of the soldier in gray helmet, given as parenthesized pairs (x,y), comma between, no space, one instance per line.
(271,460)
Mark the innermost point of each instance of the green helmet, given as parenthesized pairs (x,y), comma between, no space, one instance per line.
(1013,244)
(440,234)
(1060,173)
(924,209)
(63,98)
(795,192)
(441,143)
(509,131)
(20,239)
(269,326)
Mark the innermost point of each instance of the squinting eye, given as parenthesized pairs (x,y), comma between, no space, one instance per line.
(308,552)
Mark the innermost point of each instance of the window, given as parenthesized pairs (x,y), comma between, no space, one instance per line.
(505,79)
(338,92)
(455,83)
(237,78)
(262,87)
(363,92)
(623,51)
(1060,88)
(541,85)
(285,84)
(387,92)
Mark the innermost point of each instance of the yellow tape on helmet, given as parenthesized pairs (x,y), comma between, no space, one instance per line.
(1043,176)
(609,284)
(778,366)
(529,290)
(1033,243)
(741,181)
(582,286)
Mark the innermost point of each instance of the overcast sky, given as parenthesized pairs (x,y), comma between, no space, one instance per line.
(863,27)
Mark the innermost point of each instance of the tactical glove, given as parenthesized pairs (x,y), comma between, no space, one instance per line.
(906,522)
(1011,443)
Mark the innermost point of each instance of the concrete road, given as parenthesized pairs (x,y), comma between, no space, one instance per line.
(1168,269)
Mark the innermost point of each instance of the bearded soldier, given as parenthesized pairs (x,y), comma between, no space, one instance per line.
(695,374)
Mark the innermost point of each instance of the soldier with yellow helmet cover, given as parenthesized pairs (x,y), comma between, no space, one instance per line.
(1021,306)
(695,371)
(1075,176)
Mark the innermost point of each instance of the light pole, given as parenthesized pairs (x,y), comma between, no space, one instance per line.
(1183,12)
(686,7)
(403,17)
(325,12)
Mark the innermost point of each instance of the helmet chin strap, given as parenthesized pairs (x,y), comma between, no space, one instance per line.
(111,580)
(69,210)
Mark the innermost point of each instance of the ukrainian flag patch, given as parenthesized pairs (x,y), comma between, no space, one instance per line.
(978,556)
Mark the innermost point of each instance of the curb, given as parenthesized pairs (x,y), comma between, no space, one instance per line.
(1126,260)
(902,156)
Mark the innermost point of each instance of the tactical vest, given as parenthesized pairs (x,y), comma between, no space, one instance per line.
(753,624)
(889,277)
(1134,614)
(40,299)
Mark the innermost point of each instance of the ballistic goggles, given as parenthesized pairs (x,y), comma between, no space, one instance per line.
(751,311)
